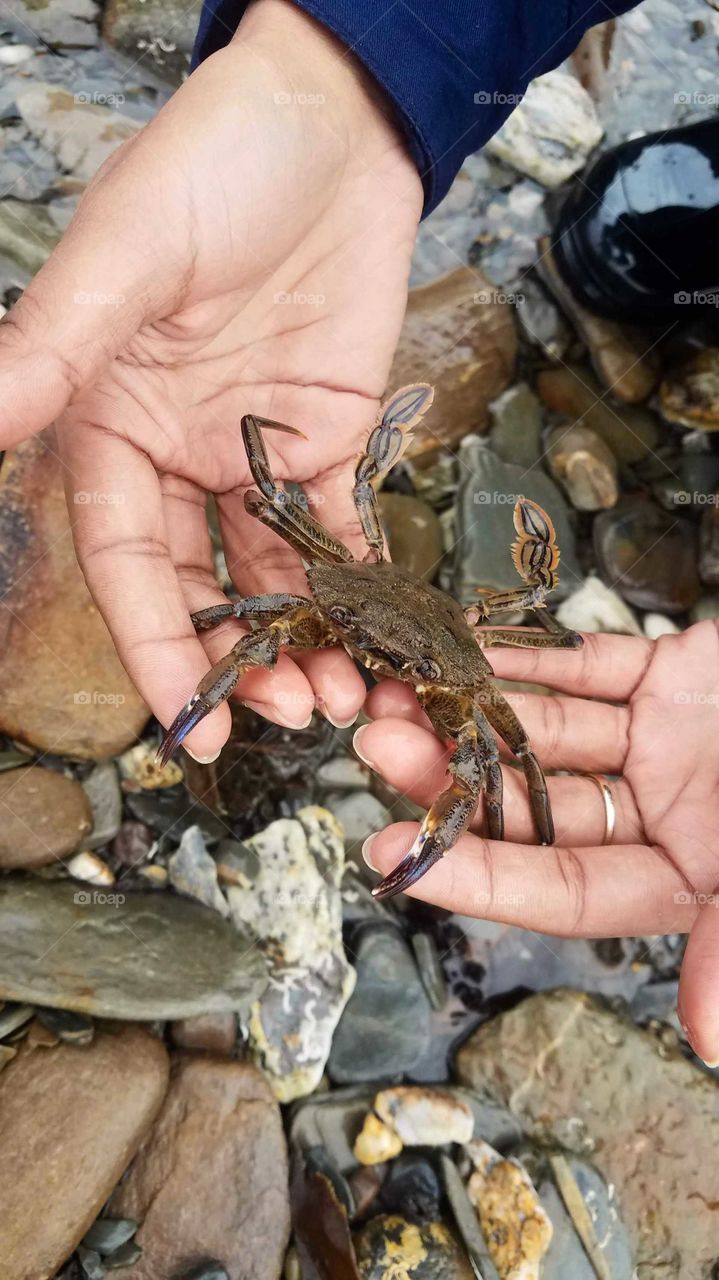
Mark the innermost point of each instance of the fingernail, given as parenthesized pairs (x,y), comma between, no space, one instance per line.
(711,1065)
(203,759)
(357,744)
(338,724)
(366,851)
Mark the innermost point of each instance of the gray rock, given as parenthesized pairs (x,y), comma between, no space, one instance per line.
(360,814)
(97,127)
(566,1259)
(290,903)
(388,1015)
(102,788)
(61,23)
(140,956)
(578,1075)
(516,426)
(27,234)
(192,871)
(484,532)
(161,31)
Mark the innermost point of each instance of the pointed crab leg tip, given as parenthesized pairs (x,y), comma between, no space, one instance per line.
(179,729)
(408,872)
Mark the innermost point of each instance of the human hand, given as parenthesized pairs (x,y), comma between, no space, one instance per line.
(653,726)
(272,174)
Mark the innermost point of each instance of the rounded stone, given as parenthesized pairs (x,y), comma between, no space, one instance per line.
(43,816)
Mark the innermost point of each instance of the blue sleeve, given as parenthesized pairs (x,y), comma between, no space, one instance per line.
(452,68)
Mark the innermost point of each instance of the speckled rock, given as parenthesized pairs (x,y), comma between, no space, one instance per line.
(456,327)
(577,1074)
(391,1246)
(72,1119)
(62,685)
(43,817)
(413,533)
(291,904)
(424,1116)
(219,1117)
(142,955)
(514,1224)
(97,129)
(193,872)
(551,131)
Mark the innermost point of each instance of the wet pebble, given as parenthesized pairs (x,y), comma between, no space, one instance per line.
(88,867)
(648,555)
(413,534)
(596,607)
(514,1223)
(425,1116)
(390,1244)
(193,872)
(210,1032)
(411,1188)
(132,843)
(584,466)
(140,767)
(44,816)
(102,788)
(455,326)
(516,426)
(221,1116)
(689,395)
(628,430)
(98,952)
(389,1012)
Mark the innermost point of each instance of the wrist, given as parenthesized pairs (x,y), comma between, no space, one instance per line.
(321,72)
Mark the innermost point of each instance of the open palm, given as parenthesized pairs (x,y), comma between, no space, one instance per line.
(643,712)
(247,252)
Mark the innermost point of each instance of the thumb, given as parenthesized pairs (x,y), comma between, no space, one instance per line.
(84,305)
(698,1002)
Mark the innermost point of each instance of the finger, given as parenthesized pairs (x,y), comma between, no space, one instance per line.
(396,699)
(338,687)
(413,761)
(283,694)
(258,561)
(565,733)
(122,548)
(607,666)
(698,1002)
(584,892)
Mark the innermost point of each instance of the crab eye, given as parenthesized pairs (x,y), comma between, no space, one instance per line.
(340,614)
(426,669)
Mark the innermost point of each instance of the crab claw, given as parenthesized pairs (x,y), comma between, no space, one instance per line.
(425,851)
(195,711)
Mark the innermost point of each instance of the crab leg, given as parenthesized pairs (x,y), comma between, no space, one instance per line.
(448,817)
(290,515)
(269,606)
(502,718)
(302,626)
(385,446)
(554,636)
(535,556)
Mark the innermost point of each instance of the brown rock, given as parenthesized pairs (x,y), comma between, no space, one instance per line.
(413,532)
(211,1032)
(459,337)
(690,394)
(219,1117)
(71,1119)
(622,356)
(630,432)
(584,466)
(577,1074)
(43,815)
(62,686)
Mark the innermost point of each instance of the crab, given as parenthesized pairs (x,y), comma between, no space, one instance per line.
(399,626)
